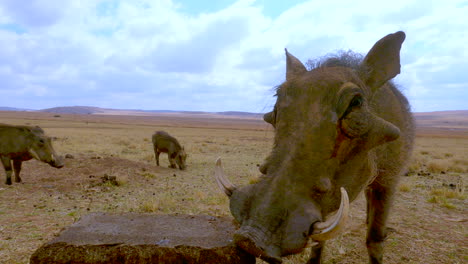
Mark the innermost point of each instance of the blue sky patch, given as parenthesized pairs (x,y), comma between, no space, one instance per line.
(13,28)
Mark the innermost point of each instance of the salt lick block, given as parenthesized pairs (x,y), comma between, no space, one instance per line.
(142,238)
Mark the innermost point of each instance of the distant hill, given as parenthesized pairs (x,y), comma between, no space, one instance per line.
(5,108)
(237,113)
(453,123)
(453,119)
(89,110)
(454,113)
(84,110)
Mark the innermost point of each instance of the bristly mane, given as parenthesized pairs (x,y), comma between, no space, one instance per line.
(351,60)
(342,58)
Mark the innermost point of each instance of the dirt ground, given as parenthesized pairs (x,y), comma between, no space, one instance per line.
(113,170)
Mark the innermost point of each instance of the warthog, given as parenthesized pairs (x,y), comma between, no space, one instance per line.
(340,128)
(22,143)
(163,142)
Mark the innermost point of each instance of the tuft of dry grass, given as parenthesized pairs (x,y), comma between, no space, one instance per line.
(148,174)
(148,206)
(442,201)
(438,155)
(405,187)
(445,196)
(438,166)
(448,193)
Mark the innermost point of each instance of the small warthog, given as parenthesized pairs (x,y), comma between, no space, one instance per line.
(22,143)
(163,142)
(340,128)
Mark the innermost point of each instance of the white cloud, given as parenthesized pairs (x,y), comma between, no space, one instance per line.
(129,54)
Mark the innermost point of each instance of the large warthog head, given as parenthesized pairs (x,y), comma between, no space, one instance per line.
(325,127)
(40,148)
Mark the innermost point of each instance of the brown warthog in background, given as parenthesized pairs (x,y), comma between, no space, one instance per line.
(22,143)
(340,128)
(163,142)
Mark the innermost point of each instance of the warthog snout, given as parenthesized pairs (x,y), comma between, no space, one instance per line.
(57,162)
(249,240)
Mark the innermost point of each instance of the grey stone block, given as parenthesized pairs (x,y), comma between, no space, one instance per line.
(144,238)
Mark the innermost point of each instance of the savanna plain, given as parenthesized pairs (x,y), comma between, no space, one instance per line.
(111,168)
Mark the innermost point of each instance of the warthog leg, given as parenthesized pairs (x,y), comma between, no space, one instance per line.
(17,169)
(379,200)
(156,154)
(172,156)
(7,165)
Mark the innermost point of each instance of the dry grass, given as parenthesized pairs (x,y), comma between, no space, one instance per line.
(439,155)
(429,215)
(405,187)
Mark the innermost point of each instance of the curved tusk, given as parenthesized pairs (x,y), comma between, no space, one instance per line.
(34,154)
(332,227)
(224,184)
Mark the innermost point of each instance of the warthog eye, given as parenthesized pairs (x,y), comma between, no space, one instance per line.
(356,102)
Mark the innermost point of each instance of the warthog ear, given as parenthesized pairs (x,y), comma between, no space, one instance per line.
(294,67)
(382,63)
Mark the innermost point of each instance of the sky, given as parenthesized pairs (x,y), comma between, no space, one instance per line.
(214,56)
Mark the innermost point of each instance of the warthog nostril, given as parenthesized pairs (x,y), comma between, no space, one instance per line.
(56,162)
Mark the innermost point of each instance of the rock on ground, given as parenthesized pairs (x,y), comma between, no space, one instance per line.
(143,238)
